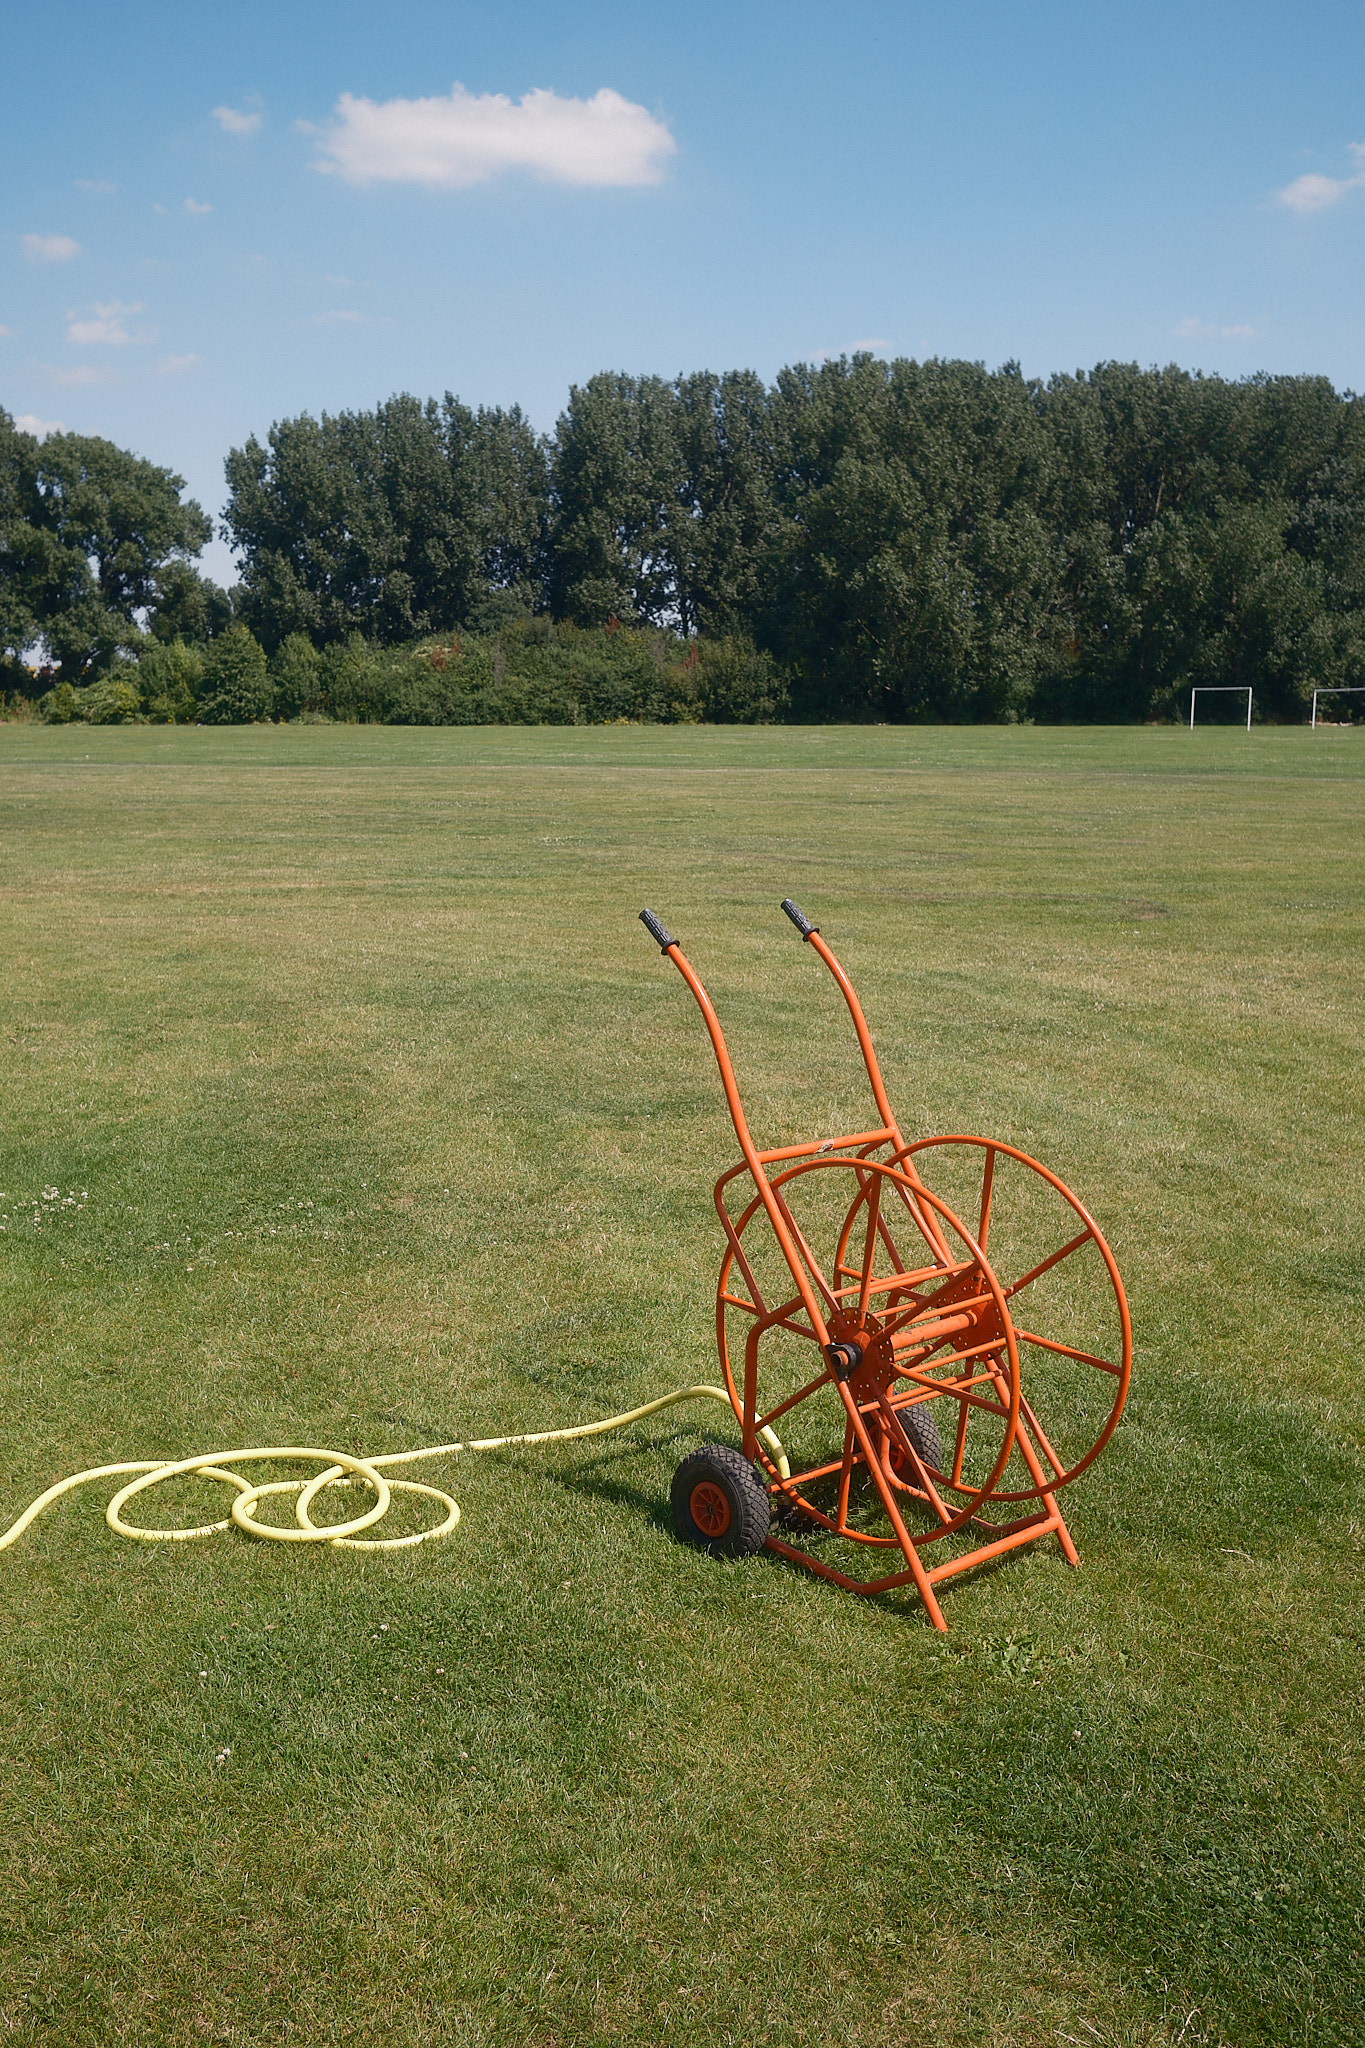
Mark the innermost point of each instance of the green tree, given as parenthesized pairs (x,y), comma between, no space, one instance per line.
(915,574)
(394,523)
(188,606)
(236,687)
(1211,531)
(86,531)
(503,469)
(722,523)
(617,473)
(18,618)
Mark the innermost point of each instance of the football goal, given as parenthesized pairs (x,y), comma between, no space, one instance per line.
(1220,690)
(1342,690)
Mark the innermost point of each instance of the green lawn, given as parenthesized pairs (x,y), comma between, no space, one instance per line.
(376,1120)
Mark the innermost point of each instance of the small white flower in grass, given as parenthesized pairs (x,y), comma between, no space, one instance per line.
(222,1756)
(203,1674)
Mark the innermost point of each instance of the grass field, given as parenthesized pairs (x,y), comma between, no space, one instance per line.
(375,1119)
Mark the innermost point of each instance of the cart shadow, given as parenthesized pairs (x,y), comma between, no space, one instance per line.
(595,1481)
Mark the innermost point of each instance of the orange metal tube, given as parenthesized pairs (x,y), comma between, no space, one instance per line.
(874,1072)
(855,1011)
(917,1325)
(755,1165)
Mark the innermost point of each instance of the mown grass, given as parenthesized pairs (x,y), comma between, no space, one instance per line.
(375,1119)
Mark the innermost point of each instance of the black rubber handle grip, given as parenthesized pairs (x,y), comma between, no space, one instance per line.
(657,929)
(799,918)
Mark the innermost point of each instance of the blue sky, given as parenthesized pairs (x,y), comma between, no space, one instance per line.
(655,189)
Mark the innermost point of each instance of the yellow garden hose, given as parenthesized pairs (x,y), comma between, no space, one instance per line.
(340,1469)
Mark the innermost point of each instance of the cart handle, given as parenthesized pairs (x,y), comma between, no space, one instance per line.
(811,934)
(786,1244)
(657,929)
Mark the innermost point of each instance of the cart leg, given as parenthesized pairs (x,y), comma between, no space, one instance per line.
(1031,1459)
(912,1557)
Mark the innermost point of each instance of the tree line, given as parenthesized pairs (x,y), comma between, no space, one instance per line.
(859,540)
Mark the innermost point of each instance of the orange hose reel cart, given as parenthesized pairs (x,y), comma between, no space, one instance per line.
(937,1386)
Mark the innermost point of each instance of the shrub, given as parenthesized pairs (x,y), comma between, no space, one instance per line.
(533,671)
(236,687)
(170,676)
(354,679)
(296,672)
(115,700)
(60,706)
(737,684)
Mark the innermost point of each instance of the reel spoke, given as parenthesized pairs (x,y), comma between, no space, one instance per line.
(938,1327)
(1076,1345)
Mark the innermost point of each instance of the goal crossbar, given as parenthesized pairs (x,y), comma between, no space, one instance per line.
(1335,690)
(1219,690)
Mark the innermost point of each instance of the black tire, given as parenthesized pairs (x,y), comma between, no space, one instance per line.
(705,1476)
(922,1430)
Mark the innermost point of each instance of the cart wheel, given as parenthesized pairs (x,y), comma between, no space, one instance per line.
(923,1432)
(719,1503)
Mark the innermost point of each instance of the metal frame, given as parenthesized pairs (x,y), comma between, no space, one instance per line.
(1218,690)
(889,1331)
(1334,690)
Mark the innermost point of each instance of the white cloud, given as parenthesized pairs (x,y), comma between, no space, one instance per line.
(50,248)
(338,319)
(107,329)
(1312,192)
(80,373)
(198,206)
(29,423)
(7,333)
(469,138)
(95,185)
(1190,328)
(233,123)
(171,366)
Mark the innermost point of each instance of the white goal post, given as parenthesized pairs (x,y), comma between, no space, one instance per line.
(1341,690)
(1219,689)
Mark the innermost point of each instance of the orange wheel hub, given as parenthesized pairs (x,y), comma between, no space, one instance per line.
(710,1509)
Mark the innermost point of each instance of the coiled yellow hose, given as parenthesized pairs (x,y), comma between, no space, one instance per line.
(340,1469)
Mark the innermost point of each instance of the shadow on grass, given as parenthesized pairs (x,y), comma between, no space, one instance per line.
(592,1481)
